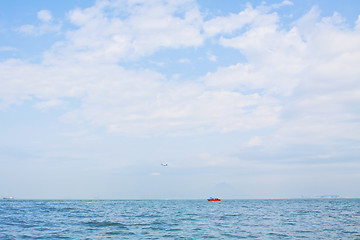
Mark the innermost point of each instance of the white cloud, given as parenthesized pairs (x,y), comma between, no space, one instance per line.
(7,49)
(45,105)
(357,24)
(230,23)
(283,3)
(45,16)
(314,67)
(289,105)
(146,27)
(79,133)
(184,60)
(254,141)
(141,105)
(210,160)
(46,25)
(289,80)
(27,29)
(211,57)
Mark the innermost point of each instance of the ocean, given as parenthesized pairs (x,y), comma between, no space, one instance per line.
(180,219)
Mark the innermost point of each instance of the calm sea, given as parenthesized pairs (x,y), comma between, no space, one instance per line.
(180,219)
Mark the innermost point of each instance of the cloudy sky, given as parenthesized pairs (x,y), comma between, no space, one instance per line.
(242,99)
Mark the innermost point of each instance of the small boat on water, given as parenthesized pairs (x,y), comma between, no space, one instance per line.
(8,198)
(214,199)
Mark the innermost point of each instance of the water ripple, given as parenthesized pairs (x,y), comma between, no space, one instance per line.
(238,219)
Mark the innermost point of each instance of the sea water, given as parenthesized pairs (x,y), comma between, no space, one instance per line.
(180,219)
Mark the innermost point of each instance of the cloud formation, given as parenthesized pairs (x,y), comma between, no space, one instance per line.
(258,99)
(302,81)
(45,26)
(45,16)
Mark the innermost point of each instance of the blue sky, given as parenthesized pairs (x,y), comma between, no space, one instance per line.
(242,99)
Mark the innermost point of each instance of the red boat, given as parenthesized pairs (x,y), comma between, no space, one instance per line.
(214,199)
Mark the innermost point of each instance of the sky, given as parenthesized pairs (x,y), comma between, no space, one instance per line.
(242,99)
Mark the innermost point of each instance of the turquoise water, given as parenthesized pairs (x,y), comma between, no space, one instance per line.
(180,219)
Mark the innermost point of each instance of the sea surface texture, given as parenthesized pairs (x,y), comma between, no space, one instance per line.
(180,219)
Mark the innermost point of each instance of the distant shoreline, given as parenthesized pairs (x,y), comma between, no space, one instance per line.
(197,199)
